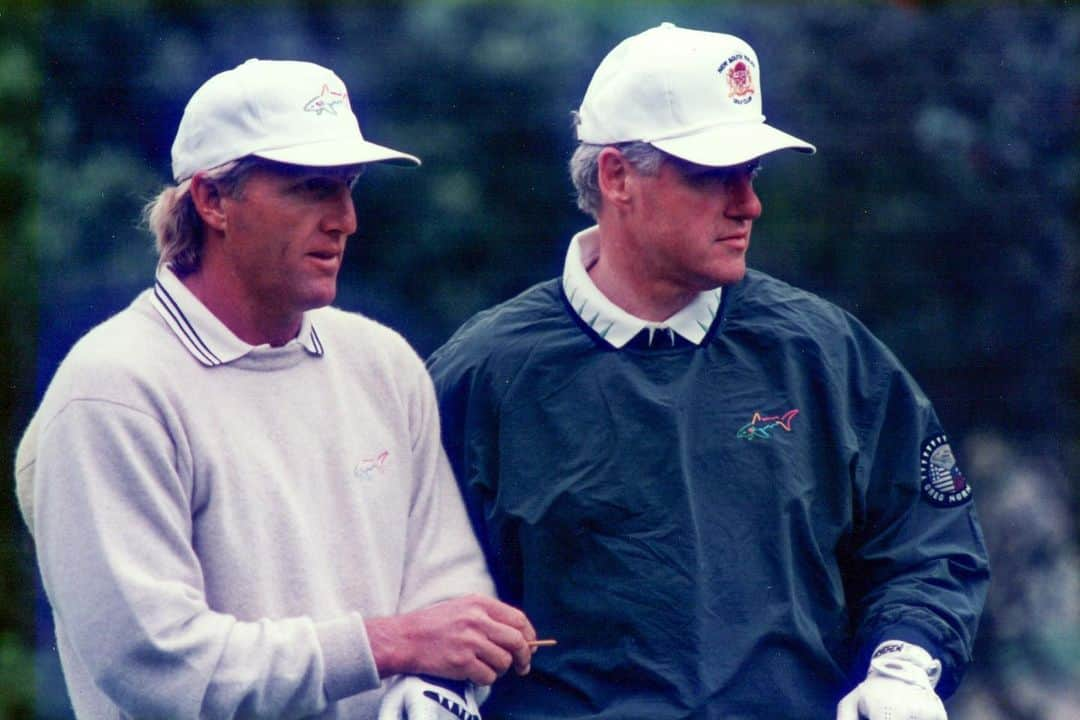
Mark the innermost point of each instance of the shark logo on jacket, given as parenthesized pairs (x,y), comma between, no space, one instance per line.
(943,485)
(761,427)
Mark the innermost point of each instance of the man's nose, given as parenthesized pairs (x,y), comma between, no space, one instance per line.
(744,202)
(340,214)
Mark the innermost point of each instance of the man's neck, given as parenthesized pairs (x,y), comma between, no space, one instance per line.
(636,289)
(250,321)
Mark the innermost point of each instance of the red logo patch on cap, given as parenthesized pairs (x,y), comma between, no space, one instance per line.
(739,72)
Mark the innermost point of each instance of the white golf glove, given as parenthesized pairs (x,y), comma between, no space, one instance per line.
(899,686)
(414,698)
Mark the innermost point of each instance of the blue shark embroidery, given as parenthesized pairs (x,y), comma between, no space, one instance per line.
(761,426)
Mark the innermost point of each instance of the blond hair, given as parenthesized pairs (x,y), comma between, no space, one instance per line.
(171,217)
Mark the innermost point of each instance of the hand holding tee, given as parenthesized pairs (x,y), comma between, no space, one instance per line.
(475,638)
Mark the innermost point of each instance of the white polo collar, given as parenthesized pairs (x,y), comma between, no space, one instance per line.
(202,333)
(616,326)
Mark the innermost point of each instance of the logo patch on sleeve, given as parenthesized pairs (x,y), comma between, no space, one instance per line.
(943,485)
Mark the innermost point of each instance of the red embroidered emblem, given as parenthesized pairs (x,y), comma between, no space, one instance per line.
(740,80)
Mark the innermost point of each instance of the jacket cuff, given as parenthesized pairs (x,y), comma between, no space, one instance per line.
(349,664)
(914,635)
(908,634)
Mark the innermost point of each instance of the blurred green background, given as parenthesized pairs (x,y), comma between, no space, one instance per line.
(942,208)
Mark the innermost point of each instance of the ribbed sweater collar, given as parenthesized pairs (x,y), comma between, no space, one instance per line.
(203,334)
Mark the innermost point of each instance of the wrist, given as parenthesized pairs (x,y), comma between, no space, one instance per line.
(908,633)
(388,646)
(905,661)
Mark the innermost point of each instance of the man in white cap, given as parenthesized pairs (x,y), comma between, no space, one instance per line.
(239,499)
(722,494)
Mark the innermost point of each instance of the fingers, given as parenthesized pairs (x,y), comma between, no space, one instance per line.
(513,633)
(509,615)
(478,672)
(476,638)
(494,659)
(523,660)
(508,634)
(848,707)
(513,643)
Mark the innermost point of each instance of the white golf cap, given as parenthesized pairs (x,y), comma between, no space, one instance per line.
(691,93)
(284,110)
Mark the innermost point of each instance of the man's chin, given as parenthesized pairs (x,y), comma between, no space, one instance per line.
(730,276)
(321,298)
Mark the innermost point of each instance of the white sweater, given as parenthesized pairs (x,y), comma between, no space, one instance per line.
(213,521)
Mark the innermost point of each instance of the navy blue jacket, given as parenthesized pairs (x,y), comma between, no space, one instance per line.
(715,531)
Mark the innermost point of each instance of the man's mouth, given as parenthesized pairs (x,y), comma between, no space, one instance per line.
(325,258)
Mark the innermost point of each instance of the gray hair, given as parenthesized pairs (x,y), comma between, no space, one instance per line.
(177,228)
(584,168)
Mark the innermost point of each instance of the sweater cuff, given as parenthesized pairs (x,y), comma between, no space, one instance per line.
(349,664)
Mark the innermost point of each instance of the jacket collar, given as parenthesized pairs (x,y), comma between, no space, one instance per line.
(616,326)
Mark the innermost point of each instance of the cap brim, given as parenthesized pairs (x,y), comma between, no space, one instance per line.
(726,145)
(330,153)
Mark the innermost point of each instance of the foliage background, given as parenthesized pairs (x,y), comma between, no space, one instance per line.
(942,208)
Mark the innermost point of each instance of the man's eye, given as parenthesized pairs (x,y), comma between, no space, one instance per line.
(724,176)
(709,177)
(317,186)
(717,177)
(732,175)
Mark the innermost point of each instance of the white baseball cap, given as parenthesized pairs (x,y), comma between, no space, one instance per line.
(691,93)
(284,110)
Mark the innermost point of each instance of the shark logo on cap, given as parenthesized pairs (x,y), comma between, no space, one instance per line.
(326,101)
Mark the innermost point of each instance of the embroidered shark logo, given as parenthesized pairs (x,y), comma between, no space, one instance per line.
(367,467)
(761,426)
(325,102)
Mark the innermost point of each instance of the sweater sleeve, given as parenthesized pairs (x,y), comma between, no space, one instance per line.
(443,557)
(919,569)
(469,433)
(114,534)
(25,460)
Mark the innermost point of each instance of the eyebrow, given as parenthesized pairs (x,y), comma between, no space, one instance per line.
(694,172)
(348,173)
(689,168)
(327,173)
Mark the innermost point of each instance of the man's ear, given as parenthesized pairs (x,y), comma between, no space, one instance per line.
(613,176)
(207,198)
